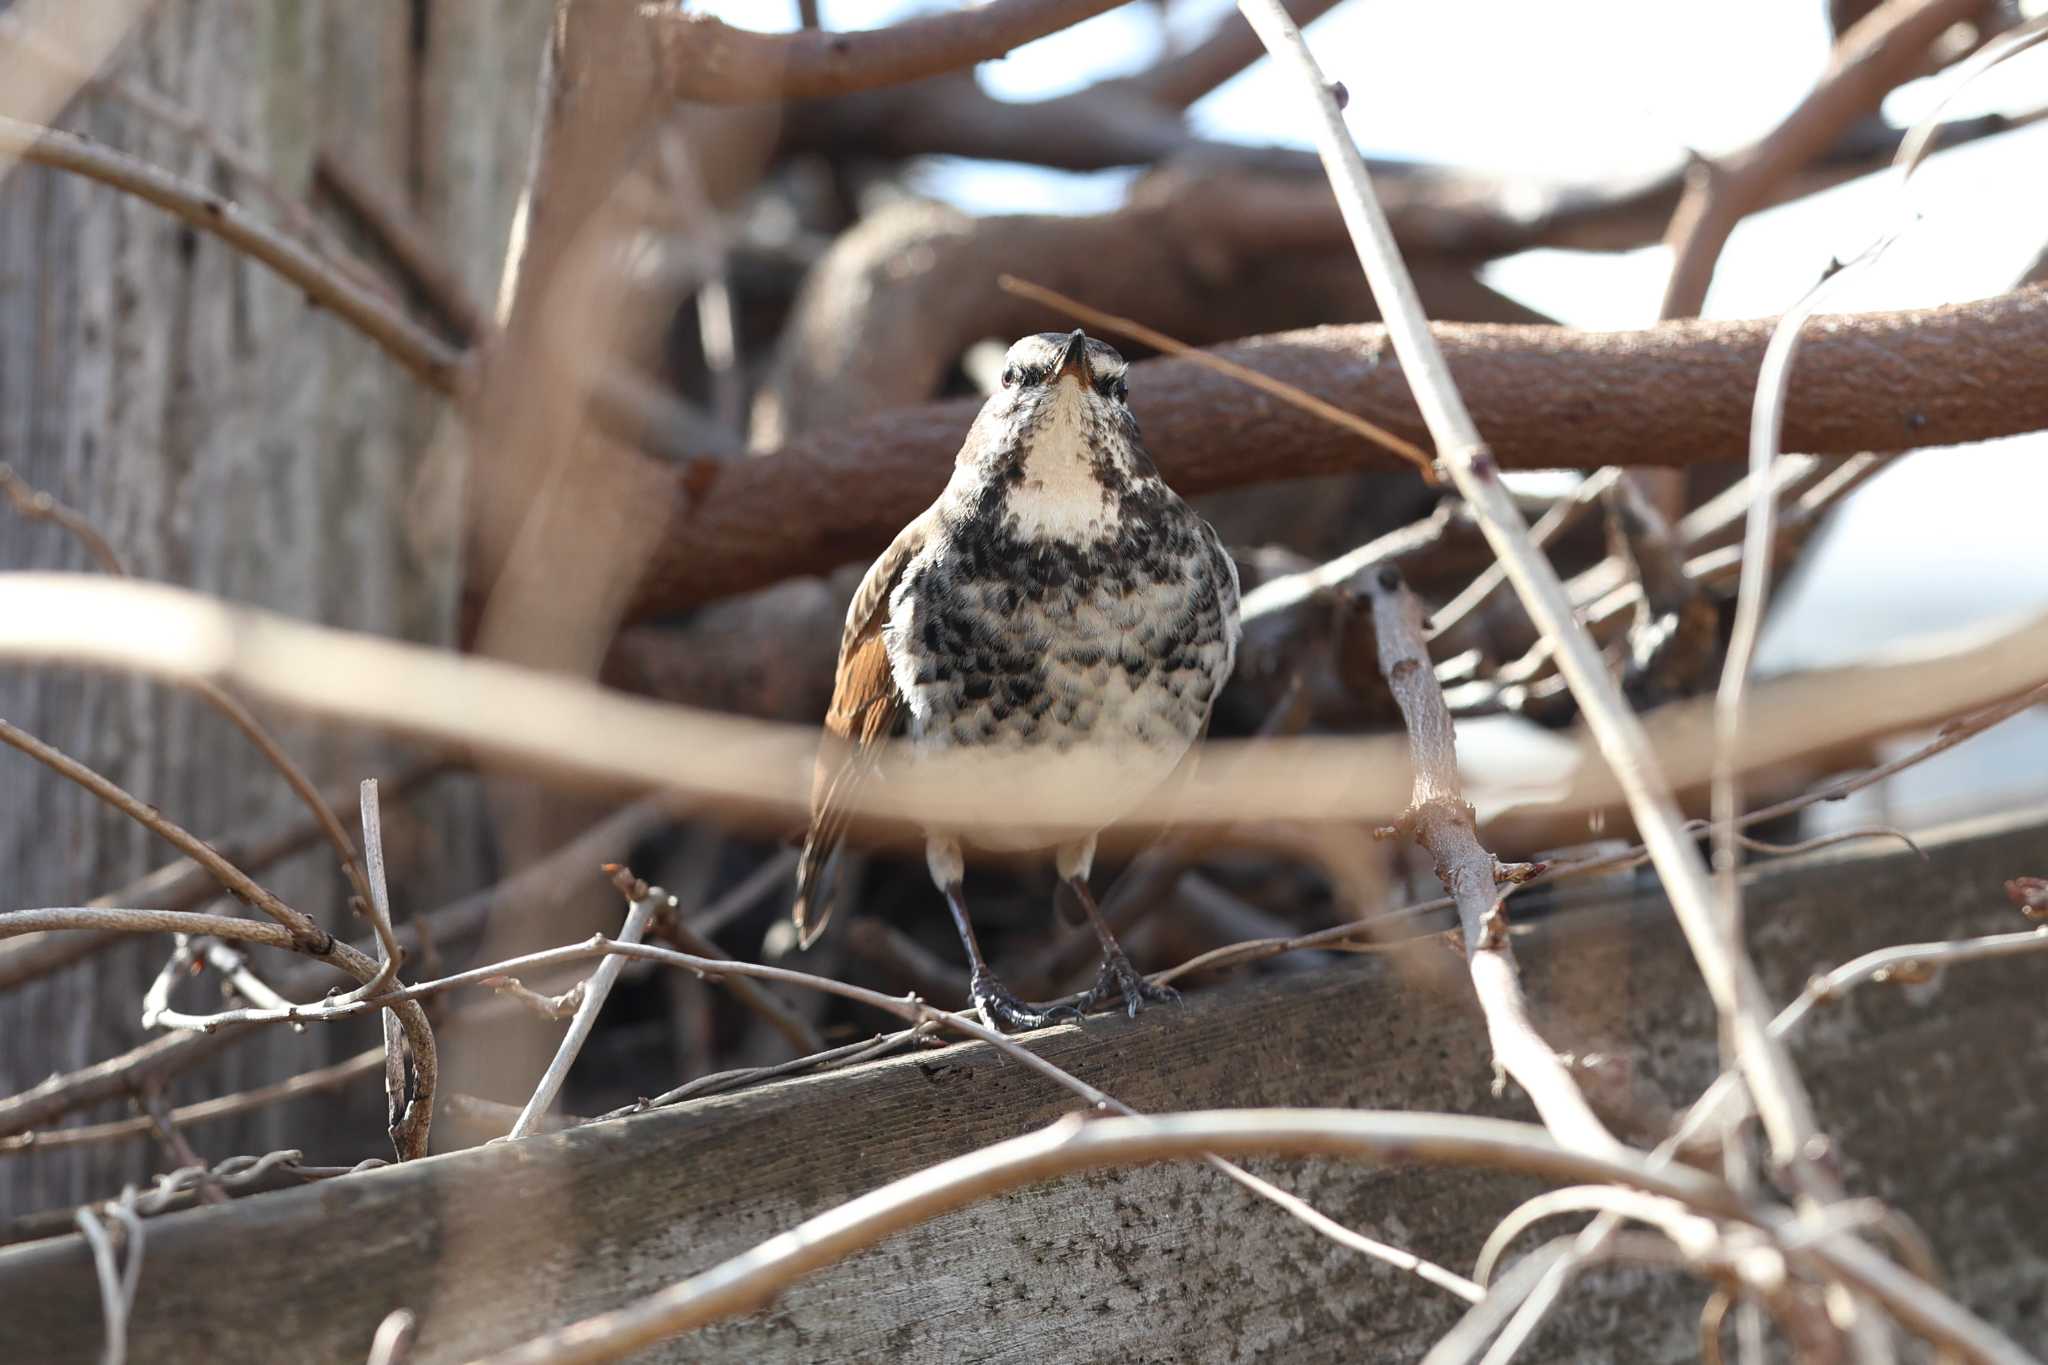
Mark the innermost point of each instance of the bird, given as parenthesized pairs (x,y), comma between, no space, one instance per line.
(1057,602)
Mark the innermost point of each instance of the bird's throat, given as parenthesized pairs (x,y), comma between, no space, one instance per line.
(1062,493)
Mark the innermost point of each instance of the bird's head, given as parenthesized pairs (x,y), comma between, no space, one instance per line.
(1060,410)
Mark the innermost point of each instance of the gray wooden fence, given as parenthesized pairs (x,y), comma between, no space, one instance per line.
(1934,1092)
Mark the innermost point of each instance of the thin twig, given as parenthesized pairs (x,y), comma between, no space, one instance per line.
(1442,823)
(393,1342)
(834,1058)
(793,1027)
(40,506)
(35,505)
(225,1106)
(1731,979)
(1884,49)
(1904,963)
(462,919)
(405,238)
(117,1282)
(1552,523)
(420,353)
(1244,374)
(407,1126)
(301,933)
(640,909)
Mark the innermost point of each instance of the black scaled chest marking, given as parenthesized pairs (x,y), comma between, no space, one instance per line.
(1016,639)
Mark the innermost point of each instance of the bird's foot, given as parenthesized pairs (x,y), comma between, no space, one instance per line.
(1119,979)
(1006,1012)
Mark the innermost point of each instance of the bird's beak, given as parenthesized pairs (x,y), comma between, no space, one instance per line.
(1074,360)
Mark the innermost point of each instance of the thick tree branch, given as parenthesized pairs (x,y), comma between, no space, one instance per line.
(1548,397)
(704,59)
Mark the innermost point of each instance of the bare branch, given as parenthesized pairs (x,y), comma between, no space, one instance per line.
(302,933)
(225,1106)
(1442,823)
(420,353)
(640,909)
(1885,49)
(1867,382)
(1730,978)
(705,59)
(574,731)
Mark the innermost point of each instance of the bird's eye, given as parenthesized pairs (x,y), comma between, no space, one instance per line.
(1009,376)
(1116,388)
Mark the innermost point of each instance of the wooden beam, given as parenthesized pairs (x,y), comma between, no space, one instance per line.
(1931,1091)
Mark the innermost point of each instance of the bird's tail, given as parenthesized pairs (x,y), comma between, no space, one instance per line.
(817,872)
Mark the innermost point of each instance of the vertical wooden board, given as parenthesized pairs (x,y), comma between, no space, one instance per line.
(228,437)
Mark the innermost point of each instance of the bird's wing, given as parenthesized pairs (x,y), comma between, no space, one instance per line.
(866,710)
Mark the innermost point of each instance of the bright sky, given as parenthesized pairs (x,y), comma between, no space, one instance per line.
(1599,88)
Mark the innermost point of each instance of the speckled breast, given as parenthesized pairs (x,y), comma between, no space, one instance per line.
(1047,646)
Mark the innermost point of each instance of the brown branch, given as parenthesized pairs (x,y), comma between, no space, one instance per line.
(1678,393)
(178,885)
(1442,823)
(546,880)
(225,1106)
(41,506)
(1883,50)
(32,504)
(707,60)
(302,933)
(324,285)
(793,1027)
(1180,80)
(385,213)
(1229,253)
(1243,374)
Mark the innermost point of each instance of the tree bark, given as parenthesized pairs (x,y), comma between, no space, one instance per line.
(225,436)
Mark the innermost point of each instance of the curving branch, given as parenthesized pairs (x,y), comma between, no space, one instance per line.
(1548,398)
(1883,50)
(1180,80)
(405,341)
(704,59)
(410,1130)
(754,1278)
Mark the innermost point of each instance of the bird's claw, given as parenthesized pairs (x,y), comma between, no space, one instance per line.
(1117,978)
(1006,1012)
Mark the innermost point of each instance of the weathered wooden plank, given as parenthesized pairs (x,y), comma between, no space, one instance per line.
(1934,1092)
(225,436)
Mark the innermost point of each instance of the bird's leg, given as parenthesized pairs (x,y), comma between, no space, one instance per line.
(1117,976)
(1000,1008)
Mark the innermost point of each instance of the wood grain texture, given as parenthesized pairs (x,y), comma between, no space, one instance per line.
(224,436)
(1935,1093)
